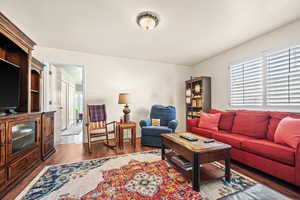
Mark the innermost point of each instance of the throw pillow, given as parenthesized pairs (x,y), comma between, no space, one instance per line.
(276,117)
(226,119)
(288,132)
(209,121)
(155,122)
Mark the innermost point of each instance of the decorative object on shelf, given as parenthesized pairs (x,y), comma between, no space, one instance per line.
(198,102)
(196,114)
(188,92)
(197,88)
(198,97)
(194,103)
(124,98)
(147,20)
(188,100)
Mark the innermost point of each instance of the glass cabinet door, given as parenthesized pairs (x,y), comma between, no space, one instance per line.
(23,136)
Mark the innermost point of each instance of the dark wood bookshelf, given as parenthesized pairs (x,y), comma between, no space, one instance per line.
(36,80)
(197,96)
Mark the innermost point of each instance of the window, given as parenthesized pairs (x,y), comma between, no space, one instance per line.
(272,80)
(246,83)
(283,77)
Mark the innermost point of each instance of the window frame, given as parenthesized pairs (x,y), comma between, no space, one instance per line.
(264,106)
(230,82)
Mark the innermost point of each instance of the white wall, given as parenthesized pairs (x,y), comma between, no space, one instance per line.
(105,77)
(218,67)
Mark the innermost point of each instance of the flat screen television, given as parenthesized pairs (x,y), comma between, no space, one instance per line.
(9,85)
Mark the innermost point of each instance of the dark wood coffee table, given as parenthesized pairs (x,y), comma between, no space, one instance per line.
(197,152)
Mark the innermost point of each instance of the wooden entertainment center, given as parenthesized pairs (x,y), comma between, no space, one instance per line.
(26,138)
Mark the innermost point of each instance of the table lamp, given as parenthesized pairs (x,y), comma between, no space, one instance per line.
(124,98)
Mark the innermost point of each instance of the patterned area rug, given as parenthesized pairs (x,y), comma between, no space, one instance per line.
(142,176)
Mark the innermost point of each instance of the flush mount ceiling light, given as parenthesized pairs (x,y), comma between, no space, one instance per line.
(147,20)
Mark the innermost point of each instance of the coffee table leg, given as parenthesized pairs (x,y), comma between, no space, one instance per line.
(227,168)
(163,151)
(196,172)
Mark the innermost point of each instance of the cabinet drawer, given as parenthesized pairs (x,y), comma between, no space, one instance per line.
(20,166)
(3,177)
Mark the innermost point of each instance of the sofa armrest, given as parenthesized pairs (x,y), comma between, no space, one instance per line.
(192,123)
(173,124)
(297,163)
(145,122)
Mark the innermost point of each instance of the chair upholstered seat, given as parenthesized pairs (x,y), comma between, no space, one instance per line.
(155,130)
(168,123)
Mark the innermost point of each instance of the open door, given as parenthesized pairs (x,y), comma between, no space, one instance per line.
(71,105)
(64,105)
(54,96)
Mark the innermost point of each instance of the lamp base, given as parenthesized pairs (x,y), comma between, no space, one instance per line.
(126,112)
(126,118)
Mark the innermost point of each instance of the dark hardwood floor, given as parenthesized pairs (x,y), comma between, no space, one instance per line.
(66,153)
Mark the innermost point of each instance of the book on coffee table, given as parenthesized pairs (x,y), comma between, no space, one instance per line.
(181,162)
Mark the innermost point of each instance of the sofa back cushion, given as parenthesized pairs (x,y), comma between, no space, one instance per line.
(226,119)
(209,121)
(192,123)
(251,123)
(288,132)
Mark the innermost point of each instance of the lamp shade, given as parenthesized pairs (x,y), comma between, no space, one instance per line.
(124,98)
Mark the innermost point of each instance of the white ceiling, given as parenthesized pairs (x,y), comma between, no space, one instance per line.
(189,31)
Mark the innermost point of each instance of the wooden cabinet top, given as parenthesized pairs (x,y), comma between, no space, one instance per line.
(11,31)
(19,116)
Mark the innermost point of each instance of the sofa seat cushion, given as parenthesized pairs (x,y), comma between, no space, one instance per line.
(235,140)
(271,150)
(251,123)
(203,132)
(155,130)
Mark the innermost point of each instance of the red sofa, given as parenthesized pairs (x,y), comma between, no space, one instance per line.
(251,135)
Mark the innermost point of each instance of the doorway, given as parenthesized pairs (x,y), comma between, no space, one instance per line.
(63,104)
(66,96)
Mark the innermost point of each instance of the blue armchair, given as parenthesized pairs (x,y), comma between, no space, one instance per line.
(168,124)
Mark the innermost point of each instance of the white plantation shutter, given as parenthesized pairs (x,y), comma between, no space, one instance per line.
(283,77)
(247,83)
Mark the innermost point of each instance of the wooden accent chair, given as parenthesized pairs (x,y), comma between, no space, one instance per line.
(97,125)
